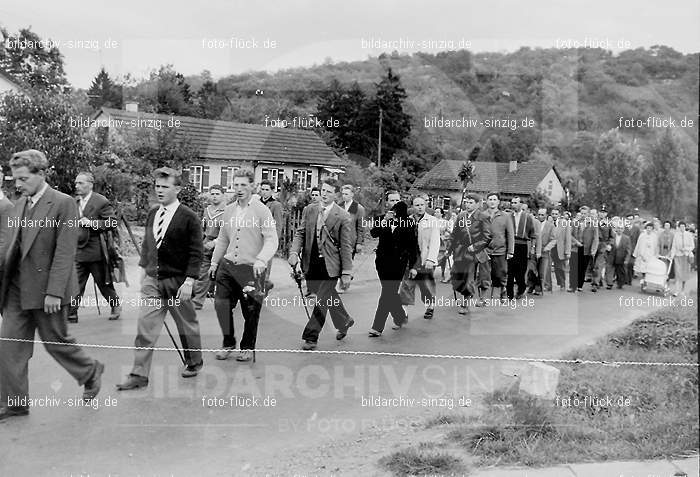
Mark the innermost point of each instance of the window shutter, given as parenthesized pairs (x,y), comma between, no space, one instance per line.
(205,178)
(224,177)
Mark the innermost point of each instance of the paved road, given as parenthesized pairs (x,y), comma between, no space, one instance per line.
(205,426)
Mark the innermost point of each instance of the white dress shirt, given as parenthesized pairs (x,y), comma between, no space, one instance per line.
(83,202)
(35,198)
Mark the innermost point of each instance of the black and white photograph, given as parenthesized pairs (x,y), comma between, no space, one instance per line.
(370,238)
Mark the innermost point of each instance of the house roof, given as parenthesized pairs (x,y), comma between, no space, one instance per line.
(488,176)
(230,141)
(8,77)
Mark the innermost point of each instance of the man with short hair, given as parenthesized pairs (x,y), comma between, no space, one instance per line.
(470,237)
(357,212)
(325,238)
(525,237)
(501,246)
(619,252)
(315,195)
(171,256)
(266,197)
(211,223)
(97,218)
(429,246)
(585,239)
(245,246)
(561,251)
(605,235)
(37,283)
(542,265)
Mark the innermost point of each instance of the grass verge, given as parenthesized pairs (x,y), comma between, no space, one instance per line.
(423,460)
(629,412)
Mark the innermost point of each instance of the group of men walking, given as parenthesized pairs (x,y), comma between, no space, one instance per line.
(50,243)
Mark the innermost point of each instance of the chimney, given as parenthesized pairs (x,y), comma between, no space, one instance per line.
(131,106)
(513,166)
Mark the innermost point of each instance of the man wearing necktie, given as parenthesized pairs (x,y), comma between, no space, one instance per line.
(326,239)
(96,217)
(525,235)
(171,256)
(37,284)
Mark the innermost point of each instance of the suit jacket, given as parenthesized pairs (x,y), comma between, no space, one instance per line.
(6,207)
(357,212)
(277,214)
(530,230)
(562,234)
(180,252)
(396,250)
(337,239)
(547,239)
(502,234)
(620,255)
(46,258)
(102,218)
(605,234)
(474,231)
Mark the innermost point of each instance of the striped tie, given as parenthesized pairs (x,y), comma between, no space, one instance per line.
(160,229)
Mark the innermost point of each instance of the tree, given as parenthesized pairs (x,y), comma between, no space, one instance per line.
(45,122)
(210,102)
(104,92)
(613,176)
(37,63)
(663,174)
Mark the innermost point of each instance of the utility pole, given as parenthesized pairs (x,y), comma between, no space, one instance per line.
(379,149)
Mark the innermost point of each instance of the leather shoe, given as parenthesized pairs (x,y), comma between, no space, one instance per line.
(343,333)
(93,385)
(72,318)
(116,312)
(428,315)
(309,345)
(192,370)
(133,381)
(13,411)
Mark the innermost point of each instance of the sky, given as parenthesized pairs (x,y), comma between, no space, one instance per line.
(234,36)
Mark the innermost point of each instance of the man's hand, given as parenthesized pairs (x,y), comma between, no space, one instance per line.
(430,266)
(412,273)
(212,270)
(210,245)
(184,293)
(293,259)
(345,281)
(259,268)
(52,304)
(84,222)
(470,248)
(509,256)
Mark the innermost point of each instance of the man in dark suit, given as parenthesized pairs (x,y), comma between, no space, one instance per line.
(585,240)
(96,216)
(397,249)
(38,282)
(605,234)
(633,230)
(619,252)
(501,246)
(525,237)
(471,235)
(561,251)
(171,256)
(325,238)
(541,266)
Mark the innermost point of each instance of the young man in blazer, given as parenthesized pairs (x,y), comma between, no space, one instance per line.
(428,247)
(542,265)
(171,256)
(525,237)
(501,246)
(37,283)
(357,213)
(561,251)
(211,223)
(96,216)
(325,238)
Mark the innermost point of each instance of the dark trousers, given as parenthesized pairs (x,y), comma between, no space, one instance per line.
(158,296)
(230,281)
(98,272)
(463,276)
(517,267)
(389,303)
(499,271)
(577,271)
(629,275)
(14,355)
(327,298)
(559,267)
(618,271)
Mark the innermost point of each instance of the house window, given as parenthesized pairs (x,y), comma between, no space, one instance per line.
(302,178)
(227,176)
(431,201)
(276,176)
(199,176)
(445,203)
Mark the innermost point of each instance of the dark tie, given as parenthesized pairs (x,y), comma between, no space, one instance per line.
(160,228)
